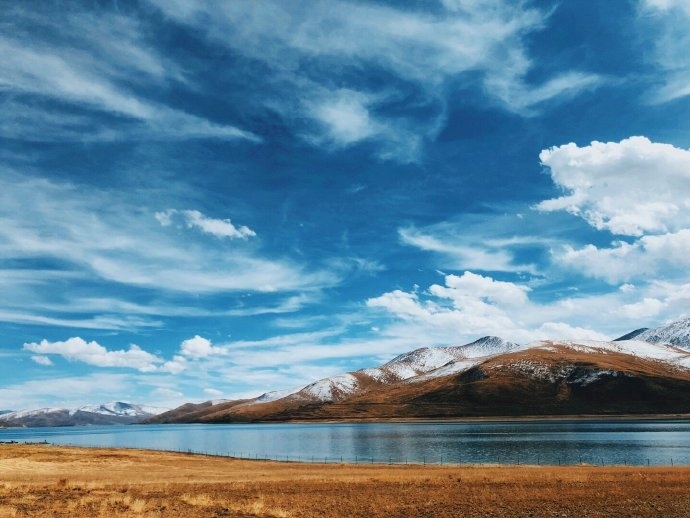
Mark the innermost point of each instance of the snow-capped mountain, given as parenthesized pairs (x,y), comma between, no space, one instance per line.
(122,409)
(645,371)
(675,333)
(425,360)
(115,412)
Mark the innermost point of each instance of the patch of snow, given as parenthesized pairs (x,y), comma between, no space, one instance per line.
(21,414)
(676,333)
(276,394)
(329,389)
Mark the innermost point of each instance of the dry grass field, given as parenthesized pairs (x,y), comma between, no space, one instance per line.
(45,480)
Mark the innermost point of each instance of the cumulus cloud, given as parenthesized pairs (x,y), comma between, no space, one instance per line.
(468,306)
(647,257)
(629,187)
(199,347)
(92,353)
(221,228)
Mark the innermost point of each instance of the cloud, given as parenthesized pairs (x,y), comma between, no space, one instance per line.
(96,63)
(646,258)
(464,245)
(92,353)
(346,117)
(314,56)
(90,235)
(213,392)
(470,306)
(199,347)
(65,391)
(221,228)
(629,187)
(42,360)
(666,23)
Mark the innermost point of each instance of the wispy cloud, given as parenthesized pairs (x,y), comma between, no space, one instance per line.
(222,228)
(423,55)
(666,22)
(97,62)
(54,232)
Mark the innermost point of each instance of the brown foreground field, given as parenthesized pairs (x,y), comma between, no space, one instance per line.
(45,480)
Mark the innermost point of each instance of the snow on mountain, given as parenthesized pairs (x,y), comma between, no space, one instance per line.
(676,333)
(118,408)
(331,389)
(438,361)
(276,394)
(22,414)
(107,413)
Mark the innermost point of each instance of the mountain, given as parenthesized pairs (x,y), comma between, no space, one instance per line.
(632,334)
(675,333)
(108,413)
(489,377)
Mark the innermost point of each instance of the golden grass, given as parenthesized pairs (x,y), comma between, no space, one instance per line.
(38,480)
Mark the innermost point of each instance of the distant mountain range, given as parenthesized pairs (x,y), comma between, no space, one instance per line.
(109,413)
(646,371)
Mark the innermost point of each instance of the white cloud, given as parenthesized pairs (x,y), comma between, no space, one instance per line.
(646,258)
(458,288)
(213,392)
(346,117)
(221,228)
(199,347)
(644,309)
(95,61)
(431,52)
(477,242)
(631,187)
(470,306)
(91,235)
(92,353)
(42,360)
(666,22)
(563,331)
(65,391)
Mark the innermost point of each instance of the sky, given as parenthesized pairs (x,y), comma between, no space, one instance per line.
(214,199)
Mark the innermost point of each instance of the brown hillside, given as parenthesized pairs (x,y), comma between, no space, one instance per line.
(550,380)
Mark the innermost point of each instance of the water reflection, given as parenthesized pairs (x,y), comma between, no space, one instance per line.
(534,442)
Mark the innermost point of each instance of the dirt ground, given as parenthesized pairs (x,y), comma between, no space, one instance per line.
(45,480)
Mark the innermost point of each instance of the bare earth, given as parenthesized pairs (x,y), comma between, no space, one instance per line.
(44,480)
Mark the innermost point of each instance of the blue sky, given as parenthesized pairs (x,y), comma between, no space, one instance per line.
(215,199)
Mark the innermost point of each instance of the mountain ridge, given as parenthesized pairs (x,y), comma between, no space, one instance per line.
(570,372)
(115,412)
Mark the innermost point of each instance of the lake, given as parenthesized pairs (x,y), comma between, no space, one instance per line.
(657,442)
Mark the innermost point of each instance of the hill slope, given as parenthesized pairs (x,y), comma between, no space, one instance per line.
(490,377)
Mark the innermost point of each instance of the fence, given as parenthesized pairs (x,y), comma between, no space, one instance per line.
(431,460)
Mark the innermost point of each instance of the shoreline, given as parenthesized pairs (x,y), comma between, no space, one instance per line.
(79,482)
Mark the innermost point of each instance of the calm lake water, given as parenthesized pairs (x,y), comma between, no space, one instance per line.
(508,442)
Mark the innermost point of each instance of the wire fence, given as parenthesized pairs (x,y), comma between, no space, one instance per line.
(516,459)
